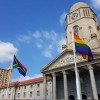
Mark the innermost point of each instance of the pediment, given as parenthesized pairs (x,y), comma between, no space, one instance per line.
(64,59)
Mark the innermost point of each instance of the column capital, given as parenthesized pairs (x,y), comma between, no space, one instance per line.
(64,72)
(90,67)
(44,75)
(53,74)
(76,70)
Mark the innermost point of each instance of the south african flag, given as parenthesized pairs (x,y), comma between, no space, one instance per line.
(16,64)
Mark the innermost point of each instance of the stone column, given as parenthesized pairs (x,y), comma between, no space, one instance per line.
(65,85)
(54,86)
(44,87)
(93,83)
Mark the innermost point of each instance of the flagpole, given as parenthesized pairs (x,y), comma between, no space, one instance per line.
(9,79)
(78,87)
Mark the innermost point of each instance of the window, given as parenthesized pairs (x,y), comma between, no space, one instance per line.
(83,12)
(18,88)
(31,86)
(38,85)
(69,18)
(0,77)
(9,96)
(76,29)
(47,92)
(79,13)
(24,87)
(18,95)
(90,29)
(2,96)
(24,95)
(98,28)
(71,97)
(99,96)
(38,93)
(30,94)
(94,17)
(9,89)
(88,12)
(84,97)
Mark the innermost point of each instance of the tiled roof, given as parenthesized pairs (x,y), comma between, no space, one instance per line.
(11,84)
(38,79)
(31,80)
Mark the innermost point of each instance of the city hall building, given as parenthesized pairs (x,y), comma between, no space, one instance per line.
(59,81)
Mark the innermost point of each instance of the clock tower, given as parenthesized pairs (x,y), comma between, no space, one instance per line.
(84,23)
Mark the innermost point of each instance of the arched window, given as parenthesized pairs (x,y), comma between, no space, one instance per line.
(84,97)
(99,96)
(71,97)
(76,29)
(90,29)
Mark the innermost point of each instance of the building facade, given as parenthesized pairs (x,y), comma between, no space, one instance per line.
(26,90)
(82,20)
(5,75)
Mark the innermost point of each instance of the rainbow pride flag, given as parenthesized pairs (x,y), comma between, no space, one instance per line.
(16,64)
(82,48)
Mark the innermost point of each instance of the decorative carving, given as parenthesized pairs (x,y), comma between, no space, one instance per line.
(64,61)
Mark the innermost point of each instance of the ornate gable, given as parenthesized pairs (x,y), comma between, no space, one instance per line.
(66,58)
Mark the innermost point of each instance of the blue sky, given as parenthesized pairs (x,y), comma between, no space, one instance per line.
(34,30)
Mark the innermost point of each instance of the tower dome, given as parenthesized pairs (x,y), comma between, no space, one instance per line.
(78,5)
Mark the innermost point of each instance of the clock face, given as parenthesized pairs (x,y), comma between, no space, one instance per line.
(74,16)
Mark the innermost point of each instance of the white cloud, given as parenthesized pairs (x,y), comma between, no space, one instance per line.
(62,18)
(39,45)
(51,42)
(50,46)
(24,38)
(96,4)
(47,35)
(22,78)
(57,40)
(47,53)
(51,35)
(7,50)
(37,35)
(54,35)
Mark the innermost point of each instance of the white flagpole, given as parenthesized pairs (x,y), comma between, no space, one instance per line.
(9,79)
(78,87)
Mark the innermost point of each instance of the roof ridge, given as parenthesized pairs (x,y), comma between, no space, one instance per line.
(37,79)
